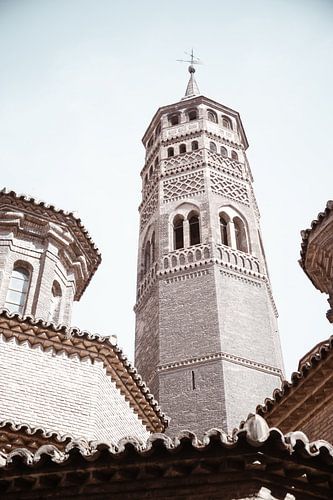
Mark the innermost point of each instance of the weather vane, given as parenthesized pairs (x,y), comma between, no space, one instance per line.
(193,60)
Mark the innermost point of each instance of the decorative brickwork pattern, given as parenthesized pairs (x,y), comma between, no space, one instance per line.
(236,259)
(224,164)
(193,159)
(184,185)
(148,209)
(186,256)
(228,188)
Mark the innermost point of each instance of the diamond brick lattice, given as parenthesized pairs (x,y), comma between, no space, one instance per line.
(231,189)
(183,185)
(148,209)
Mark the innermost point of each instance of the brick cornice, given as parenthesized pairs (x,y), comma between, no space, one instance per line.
(221,356)
(88,346)
(48,214)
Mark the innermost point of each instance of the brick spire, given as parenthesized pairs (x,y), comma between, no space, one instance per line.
(192,88)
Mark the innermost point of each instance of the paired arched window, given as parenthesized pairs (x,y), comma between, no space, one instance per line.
(182,148)
(224,151)
(190,226)
(226,122)
(174,119)
(178,232)
(212,116)
(18,289)
(234,155)
(192,114)
(171,152)
(212,147)
(194,145)
(56,295)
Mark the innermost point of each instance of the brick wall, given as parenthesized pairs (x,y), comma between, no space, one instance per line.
(320,425)
(62,394)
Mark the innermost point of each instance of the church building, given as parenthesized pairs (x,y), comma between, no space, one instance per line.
(216,418)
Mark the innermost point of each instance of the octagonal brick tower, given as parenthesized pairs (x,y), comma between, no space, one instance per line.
(207,342)
(47,258)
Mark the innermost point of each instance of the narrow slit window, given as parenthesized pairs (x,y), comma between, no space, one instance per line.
(193,380)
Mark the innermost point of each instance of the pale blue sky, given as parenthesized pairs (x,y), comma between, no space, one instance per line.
(80,81)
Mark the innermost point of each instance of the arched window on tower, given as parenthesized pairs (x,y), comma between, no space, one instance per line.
(153,248)
(212,116)
(171,152)
(226,122)
(194,229)
(151,172)
(224,230)
(18,289)
(56,294)
(212,147)
(240,235)
(174,119)
(182,149)
(147,261)
(234,155)
(224,151)
(194,145)
(192,114)
(178,232)
(158,130)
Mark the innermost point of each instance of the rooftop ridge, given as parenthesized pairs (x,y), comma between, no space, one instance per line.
(255,432)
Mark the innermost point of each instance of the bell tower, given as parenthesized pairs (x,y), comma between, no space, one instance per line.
(207,342)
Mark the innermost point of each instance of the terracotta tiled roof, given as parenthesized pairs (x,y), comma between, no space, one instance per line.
(73,341)
(306,232)
(14,435)
(254,453)
(50,212)
(303,382)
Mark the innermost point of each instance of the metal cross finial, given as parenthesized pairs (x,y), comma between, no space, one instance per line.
(193,60)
